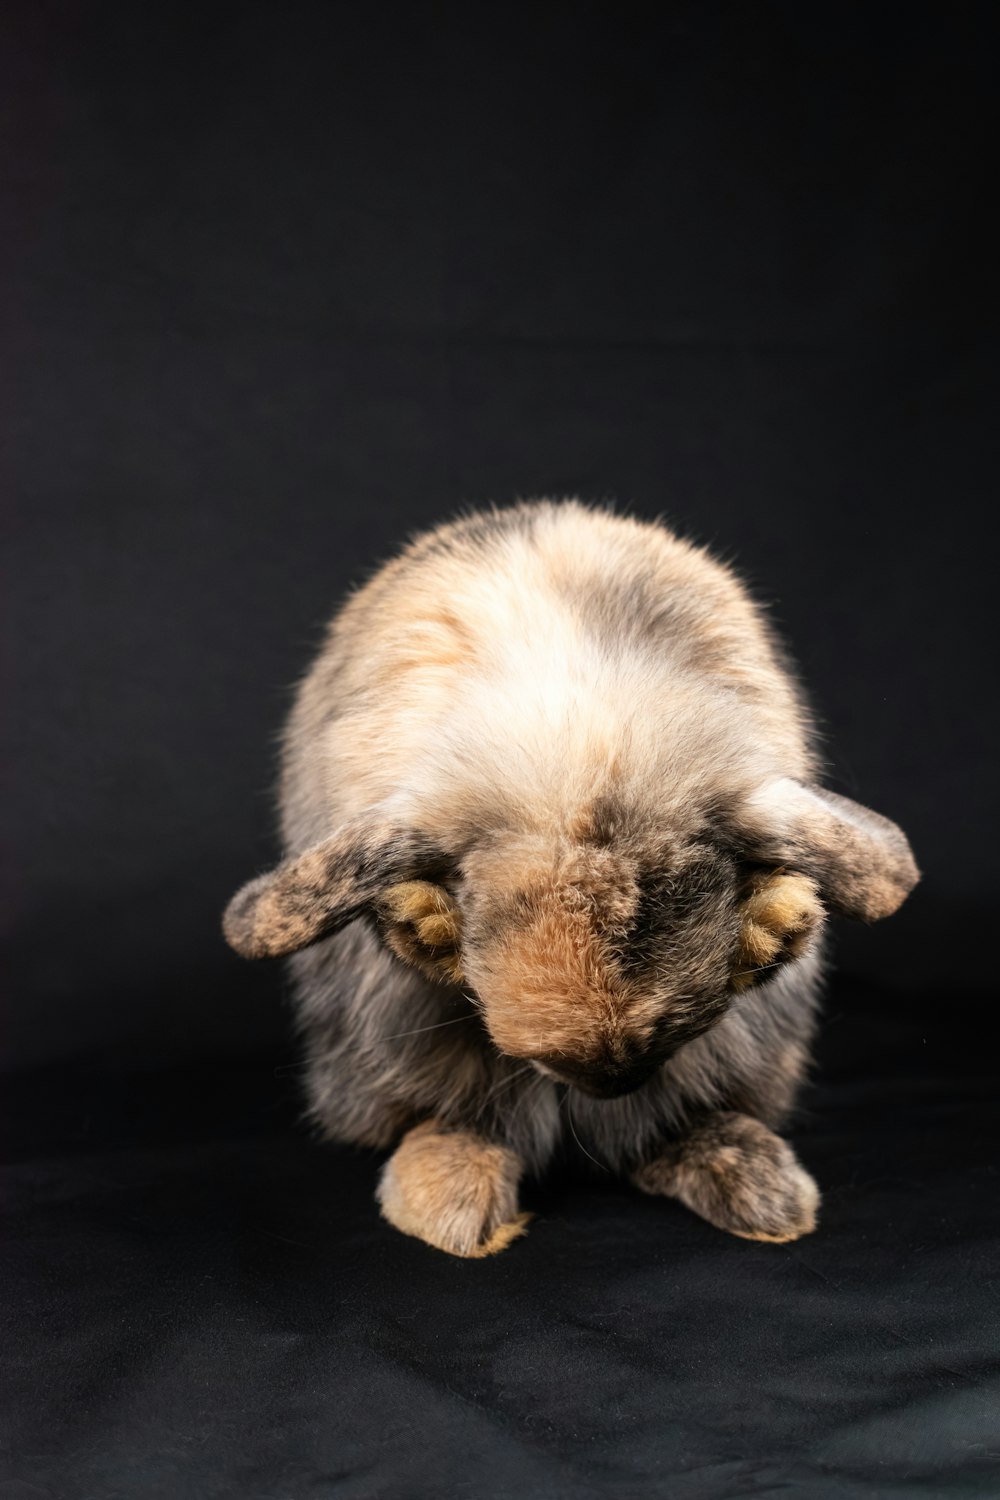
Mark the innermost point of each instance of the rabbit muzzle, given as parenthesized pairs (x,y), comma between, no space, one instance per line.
(607,1080)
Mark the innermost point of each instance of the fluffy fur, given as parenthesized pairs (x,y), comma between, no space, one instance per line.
(555,862)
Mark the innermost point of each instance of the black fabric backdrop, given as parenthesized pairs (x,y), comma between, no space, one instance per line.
(283,284)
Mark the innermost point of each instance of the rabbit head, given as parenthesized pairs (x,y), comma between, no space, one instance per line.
(597,952)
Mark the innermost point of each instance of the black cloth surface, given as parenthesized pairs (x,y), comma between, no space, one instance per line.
(201,1301)
(281,285)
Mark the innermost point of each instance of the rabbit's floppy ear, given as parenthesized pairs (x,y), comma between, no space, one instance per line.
(861,862)
(312,894)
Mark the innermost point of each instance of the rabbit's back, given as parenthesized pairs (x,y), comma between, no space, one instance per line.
(508,663)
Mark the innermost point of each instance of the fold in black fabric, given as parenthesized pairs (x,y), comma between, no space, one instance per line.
(202,1301)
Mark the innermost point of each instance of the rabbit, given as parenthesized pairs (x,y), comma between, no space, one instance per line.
(556,870)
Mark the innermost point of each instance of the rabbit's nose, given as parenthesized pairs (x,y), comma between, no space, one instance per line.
(602,1080)
(612,1083)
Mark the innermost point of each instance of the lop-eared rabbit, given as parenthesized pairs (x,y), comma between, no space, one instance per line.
(556,869)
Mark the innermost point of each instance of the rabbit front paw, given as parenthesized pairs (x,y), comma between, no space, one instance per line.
(453,1190)
(778,917)
(739,1176)
(422,924)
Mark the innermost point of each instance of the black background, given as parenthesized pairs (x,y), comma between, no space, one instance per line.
(282,285)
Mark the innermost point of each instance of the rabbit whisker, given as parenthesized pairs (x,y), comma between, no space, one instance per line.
(419,1030)
(569,1115)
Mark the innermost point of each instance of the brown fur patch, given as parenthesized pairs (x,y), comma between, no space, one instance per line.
(589,966)
(438,644)
(540,950)
(453,1190)
(549,990)
(739,1176)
